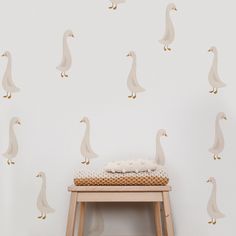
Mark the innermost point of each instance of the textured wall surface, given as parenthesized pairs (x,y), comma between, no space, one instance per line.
(177,98)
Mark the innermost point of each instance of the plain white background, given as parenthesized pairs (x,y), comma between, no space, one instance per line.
(176,99)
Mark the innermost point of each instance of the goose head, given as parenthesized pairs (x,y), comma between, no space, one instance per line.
(6,54)
(171,7)
(212,49)
(162,132)
(85,120)
(221,116)
(131,54)
(211,180)
(69,33)
(15,121)
(40,174)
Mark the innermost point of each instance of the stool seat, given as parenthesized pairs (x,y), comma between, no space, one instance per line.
(158,195)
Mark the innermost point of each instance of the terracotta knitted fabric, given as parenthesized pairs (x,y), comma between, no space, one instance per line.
(92,178)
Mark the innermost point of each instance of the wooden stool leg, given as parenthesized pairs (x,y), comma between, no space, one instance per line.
(157,213)
(164,230)
(71,215)
(168,215)
(81,219)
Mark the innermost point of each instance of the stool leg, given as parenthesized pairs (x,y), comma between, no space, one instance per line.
(157,213)
(168,215)
(164,230)
(81,219)
(71,215)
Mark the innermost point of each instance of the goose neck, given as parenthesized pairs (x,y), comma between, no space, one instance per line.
(158,138)
(213,192)
(158,142)
(43,182)
(65,44)
(11,127)
(9,62)
(87,130)
(134,61)
(167,14)
(217,123)
(215,59)
(159,151)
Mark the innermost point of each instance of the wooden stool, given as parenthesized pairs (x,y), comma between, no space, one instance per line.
(159,195)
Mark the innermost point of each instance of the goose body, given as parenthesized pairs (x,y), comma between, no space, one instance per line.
(42,203)
(66,55)
(213,76)
(85,148)
(12,149)
(132,81)
(115,3)
(169,34)
(218,145)
(212,207)
(160,155)
(7,82)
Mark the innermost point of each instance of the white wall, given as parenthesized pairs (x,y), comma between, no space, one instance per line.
(176,99)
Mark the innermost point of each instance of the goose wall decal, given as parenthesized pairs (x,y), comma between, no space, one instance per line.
(7,82)
(213,76)
(42,203)
(12,149)
(66,55)
(160,155)
(85,148)
(169,35)
(212,207)
(218,145)
(132,81)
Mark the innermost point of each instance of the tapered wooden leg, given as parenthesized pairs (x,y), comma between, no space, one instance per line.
(168,215)
(71,215)
(81,219)
(164,230)
(157,213)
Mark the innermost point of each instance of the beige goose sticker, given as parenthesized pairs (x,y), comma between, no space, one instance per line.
(115,3)
(169,35)
(218,145)
(66,55)
(12,149)
(85,147)
(42,203)
(160,156)
(213,76)
(212,207)
(132,81)
(7,82)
